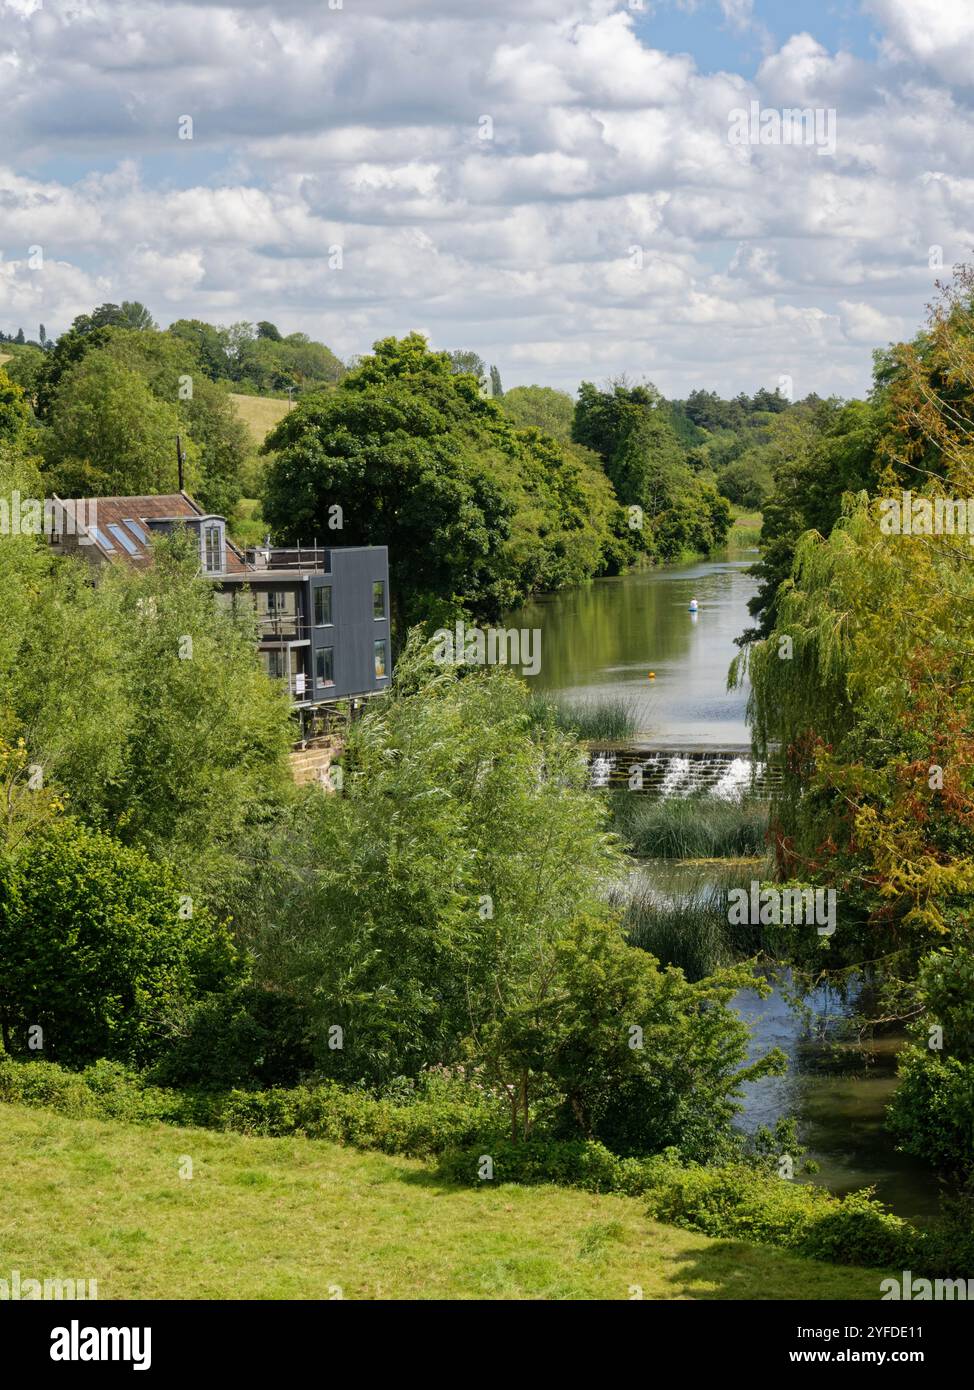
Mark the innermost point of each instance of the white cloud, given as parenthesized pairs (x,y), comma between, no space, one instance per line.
(361,127)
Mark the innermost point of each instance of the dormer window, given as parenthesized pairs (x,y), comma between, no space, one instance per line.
(213,548)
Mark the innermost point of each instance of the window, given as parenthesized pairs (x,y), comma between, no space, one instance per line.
(323,606)
(379,598)
(124,541)
(274,662)
(135,528)
(213,549)
(380,660)
(325,665)
(277,611)
(101,538)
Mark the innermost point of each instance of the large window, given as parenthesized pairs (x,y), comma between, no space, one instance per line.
(325,665)
(323,606)
(379,599)
(213,549)
(275,663)
(380,660)
(277,612)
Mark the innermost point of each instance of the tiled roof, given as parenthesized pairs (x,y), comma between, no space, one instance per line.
(108,520)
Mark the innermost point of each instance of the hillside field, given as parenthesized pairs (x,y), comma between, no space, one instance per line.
(259,413)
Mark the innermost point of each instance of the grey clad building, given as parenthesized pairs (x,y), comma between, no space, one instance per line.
(322,611)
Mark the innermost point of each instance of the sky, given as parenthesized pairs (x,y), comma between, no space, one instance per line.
(562,186)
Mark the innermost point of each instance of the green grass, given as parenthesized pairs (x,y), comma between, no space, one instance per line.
(690,827)
(745,532)
(247,525)
(610,719)
(295,1218)
(259,413)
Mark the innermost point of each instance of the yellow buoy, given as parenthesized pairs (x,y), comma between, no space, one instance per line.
(652,676)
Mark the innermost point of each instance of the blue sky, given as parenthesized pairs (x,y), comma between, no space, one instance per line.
(609,222)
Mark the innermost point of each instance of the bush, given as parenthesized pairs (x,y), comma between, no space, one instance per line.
(246,1037)
(572,1163)
(440,1113)
(95,950)
(427,1125)
(737,1201)
(932,1112)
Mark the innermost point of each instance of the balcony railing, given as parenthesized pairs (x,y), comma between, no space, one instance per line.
(282,627)
(293,557)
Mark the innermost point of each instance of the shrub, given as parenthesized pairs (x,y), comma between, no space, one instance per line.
(95,950)
(245,1037)
(932,1112)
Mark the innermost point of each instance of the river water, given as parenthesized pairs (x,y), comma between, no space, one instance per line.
(602,641)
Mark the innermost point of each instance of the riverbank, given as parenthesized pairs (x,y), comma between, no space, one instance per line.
(688,734)
(184,1213)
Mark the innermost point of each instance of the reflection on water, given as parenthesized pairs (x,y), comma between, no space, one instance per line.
(604,638)
(838,1101)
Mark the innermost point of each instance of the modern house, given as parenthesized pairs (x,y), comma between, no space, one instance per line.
(322,612)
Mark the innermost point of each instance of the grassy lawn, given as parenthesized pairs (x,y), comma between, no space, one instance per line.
(259,413)
(294,1218)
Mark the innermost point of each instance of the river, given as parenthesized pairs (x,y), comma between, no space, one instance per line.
(603,640)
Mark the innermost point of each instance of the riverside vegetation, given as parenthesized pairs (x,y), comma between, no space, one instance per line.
(428,964)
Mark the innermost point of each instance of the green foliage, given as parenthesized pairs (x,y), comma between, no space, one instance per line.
(95,947)
(691,827)
(932,1112)
(747,481)
(260,359)
(632,432)
(541,408)
(476,513)
(143,700)
(609,719)
(109,434)
(14,412)
(737,1202)
(241,1037)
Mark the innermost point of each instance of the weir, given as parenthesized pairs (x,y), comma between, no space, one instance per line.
(729,772)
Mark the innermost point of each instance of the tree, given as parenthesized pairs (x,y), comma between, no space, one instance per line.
(476,514)
(449,909)
(14,413)
(211,344)
(646,464)
(109,435)
(97,946)
(268,330)
(542,408)
(471,363)
(130,314)
(496,389)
